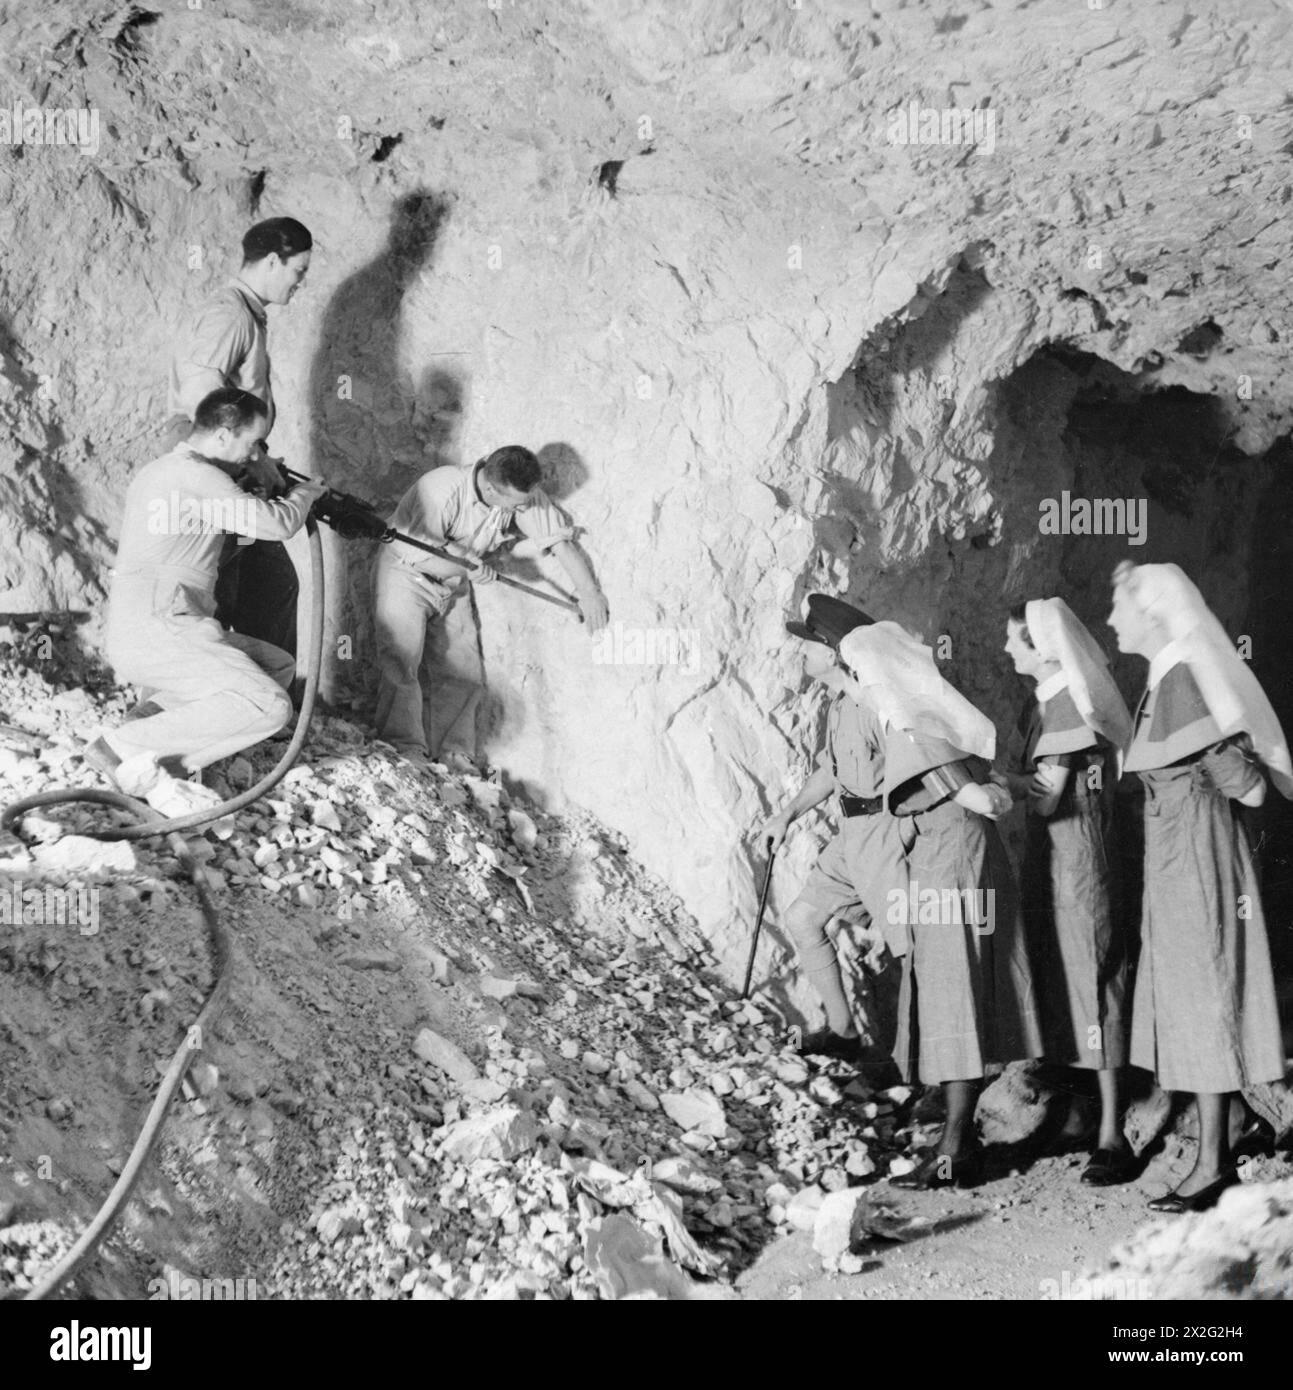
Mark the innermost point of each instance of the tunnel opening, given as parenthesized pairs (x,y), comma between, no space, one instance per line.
(1208,507)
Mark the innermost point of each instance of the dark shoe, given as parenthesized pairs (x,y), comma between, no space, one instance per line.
(1256,1140)
(826,1043)
(1108,1167)
(1205,1199)
(941,1170)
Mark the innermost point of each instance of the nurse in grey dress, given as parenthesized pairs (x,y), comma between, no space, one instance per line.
(1072,734)
(1204,1018)
(967,997)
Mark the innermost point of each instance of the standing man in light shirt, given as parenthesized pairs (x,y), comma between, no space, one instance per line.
(208,692)
(226,344)
(469,511)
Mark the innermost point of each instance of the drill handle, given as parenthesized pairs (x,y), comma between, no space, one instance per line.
(350,517)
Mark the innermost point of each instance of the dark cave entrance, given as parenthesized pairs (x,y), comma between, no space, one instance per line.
(1222,515)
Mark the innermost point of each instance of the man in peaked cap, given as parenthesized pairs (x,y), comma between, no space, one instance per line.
(828,621)
(856,870)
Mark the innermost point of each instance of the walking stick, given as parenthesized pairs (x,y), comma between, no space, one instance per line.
(758,923)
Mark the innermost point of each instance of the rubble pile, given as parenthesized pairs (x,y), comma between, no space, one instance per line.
(1241,1249)
(471,1049)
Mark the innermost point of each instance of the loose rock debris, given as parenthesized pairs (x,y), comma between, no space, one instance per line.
(1243,1248)
(426,1084)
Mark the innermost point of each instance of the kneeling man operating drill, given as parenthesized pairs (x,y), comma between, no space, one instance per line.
(207,692)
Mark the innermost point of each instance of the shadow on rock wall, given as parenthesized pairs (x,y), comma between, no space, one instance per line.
(374,429)
(47,530)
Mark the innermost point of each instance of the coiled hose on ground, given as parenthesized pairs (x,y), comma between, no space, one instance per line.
(217,934)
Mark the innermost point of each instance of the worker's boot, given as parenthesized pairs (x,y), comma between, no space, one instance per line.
(826,1043)
(100,754)
(140,776)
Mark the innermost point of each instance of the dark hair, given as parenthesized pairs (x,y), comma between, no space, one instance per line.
(514,467)
(284,235)
(1019,614)
(229,408)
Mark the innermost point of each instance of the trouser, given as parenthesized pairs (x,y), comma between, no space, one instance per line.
(853,880)
(256,592)
(404,604)
(855,877)
(219,692)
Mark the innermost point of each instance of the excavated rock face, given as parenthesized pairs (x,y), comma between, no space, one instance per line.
(763,345)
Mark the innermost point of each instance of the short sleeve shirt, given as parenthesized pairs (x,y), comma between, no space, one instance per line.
(227,344)
(854,748)
(444,506)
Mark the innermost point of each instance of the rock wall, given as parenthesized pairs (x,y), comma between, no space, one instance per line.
(762,347)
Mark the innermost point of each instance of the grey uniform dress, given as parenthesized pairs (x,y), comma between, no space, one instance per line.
(967,992)
(1204,1017)
(1076,935)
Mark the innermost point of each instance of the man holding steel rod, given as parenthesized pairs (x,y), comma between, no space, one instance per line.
(855,872)
(468,512)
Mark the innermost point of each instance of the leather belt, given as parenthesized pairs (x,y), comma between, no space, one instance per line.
(861,805)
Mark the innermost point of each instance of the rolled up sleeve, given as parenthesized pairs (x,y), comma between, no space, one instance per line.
(945,781)
(542,518)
